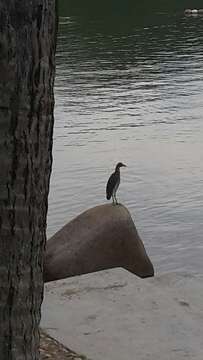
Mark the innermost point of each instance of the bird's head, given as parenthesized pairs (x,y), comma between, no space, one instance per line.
(119,165)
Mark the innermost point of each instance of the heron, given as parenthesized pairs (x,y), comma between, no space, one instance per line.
(113,183)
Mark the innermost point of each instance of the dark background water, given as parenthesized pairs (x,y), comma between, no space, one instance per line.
(129,87)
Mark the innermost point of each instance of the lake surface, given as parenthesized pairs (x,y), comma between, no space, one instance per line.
(130,89)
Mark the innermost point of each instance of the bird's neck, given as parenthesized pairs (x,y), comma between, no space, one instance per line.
(117,170)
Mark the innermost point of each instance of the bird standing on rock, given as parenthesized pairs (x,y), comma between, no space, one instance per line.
(113,184)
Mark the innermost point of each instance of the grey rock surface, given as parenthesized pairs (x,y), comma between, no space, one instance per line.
(114,315)
(101,238)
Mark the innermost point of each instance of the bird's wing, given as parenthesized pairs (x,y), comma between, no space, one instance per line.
(110,186)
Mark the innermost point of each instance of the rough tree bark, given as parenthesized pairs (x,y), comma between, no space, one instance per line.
(27,66)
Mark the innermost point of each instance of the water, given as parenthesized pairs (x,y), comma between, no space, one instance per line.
(130,89)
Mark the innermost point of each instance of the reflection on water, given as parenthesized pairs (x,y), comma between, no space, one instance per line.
(130,89)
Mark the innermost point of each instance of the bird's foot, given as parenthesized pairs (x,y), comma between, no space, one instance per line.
(115,203)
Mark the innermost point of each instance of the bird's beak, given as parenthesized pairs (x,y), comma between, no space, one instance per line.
(124,165)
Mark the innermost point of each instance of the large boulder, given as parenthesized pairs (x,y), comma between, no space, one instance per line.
(101,238)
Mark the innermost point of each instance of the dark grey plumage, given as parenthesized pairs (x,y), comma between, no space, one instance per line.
(113,183)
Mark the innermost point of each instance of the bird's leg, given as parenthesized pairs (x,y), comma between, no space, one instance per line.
(113,198)
(115,202)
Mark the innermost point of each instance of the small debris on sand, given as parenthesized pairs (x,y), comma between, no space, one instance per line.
(51,349)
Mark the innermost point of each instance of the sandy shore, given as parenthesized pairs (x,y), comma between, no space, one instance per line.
(114,315)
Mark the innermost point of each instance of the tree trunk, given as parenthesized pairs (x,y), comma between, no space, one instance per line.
(27,66)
